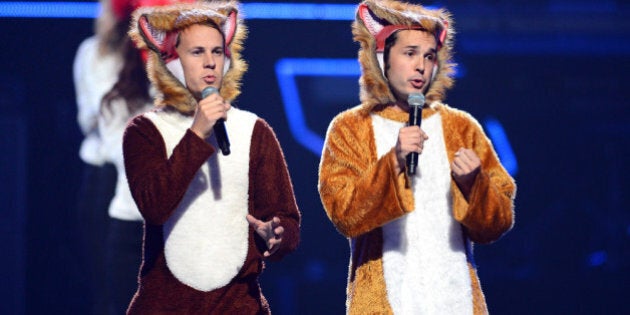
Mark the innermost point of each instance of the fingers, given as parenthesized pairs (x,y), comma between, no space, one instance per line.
(461,165)
(253,222)
(278,232)
(273,245)
(275,221)
(465,162)
(208,112)
(213,108)
(270,252)
(271,231)
(410,139)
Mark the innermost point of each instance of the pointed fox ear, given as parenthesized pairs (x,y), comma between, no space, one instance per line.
(159,41)
(378,28)
(443,34)
(373,24)
(153,38)
(229,29)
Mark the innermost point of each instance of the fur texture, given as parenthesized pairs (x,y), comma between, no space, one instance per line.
(159,184)
(197,249)
(424,252)
(374,87)
(167,166)
(351,170)
(356,164)
(164,21)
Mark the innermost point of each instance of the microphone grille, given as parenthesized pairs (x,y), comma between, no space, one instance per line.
(415,99)
(208,91)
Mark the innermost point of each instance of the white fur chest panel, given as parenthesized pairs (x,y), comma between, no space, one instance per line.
(424,257)
(206,238)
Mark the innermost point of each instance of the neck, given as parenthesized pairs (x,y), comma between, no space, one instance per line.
(401,106)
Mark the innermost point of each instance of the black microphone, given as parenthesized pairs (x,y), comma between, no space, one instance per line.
(415,101)
(219,126)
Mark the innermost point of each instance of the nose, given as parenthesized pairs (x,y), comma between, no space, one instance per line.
(209,61)
(420,65)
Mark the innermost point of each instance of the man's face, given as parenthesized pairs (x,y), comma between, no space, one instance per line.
(201,52)
(411,61)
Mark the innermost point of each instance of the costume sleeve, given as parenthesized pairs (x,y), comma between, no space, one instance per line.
(360,192)
(488,213)
(270,188)
(158,182)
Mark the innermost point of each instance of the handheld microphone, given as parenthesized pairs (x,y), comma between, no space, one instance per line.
(415,101)
(219,127)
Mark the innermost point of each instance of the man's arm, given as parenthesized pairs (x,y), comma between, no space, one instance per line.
(271,195)
(484,207)
(360,192)
(158,182)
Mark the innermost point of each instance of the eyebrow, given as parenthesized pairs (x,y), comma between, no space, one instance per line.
(432,50)
(206,47)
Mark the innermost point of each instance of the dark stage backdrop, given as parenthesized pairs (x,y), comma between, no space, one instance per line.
(551,73)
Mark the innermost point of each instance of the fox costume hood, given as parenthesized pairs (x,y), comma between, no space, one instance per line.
(375,21)
(410,236)
(157,30)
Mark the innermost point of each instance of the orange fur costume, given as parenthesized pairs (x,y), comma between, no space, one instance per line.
(367,200)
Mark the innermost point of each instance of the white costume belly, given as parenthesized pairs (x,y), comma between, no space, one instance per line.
(424,254)
(206,238)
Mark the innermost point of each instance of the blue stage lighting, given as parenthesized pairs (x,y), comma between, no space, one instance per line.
(268,11)
(286,71)
(71,10)
(501,145)
(597,258)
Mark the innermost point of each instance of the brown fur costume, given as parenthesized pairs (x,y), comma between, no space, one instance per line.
(199,254)
(362,192)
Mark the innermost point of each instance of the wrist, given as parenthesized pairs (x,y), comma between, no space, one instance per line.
(399,165)
(198,133)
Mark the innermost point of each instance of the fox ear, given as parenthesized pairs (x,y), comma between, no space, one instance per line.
(159,41)
(153,38)
(373,24)
(162,43)
(443,33)
(229,29)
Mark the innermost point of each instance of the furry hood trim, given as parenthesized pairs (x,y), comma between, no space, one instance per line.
(375,21)
(156,29)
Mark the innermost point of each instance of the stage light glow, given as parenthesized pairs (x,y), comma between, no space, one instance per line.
(501,144)
(72,10)
(597,258)
(286,71)
(267,11)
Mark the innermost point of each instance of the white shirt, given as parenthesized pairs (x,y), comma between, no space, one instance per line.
(94,75)
(111,126)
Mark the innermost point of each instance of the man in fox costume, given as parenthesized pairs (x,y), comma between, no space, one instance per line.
(411,235)
(210,219)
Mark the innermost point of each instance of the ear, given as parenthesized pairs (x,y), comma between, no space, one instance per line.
(371,22)
(374,25)
(152,37)
(378,28)
(229,29)
(162,43)
(159,41)
(443,33)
